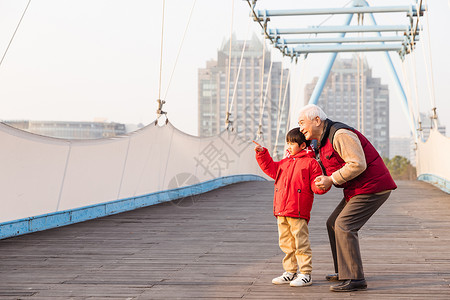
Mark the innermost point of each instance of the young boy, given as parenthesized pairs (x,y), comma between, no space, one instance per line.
(293,198)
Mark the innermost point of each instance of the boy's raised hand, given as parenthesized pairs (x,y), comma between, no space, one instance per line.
(258,147)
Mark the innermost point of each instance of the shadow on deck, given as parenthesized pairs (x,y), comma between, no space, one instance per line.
(223,244)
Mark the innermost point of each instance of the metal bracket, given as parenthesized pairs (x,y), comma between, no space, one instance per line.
(434,116)
(159,111)
(228,123)
(259,134)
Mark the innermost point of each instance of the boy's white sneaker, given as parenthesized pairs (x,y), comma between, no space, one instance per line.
(301,280)
(285,278)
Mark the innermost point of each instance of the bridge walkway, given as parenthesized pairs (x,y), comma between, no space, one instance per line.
(223,245)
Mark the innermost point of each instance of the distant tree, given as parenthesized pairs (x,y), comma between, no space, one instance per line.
(400,168)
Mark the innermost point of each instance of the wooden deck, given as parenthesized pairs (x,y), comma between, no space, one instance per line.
(223,245)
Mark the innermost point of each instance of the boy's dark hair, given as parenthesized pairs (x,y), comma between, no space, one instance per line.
(295,136)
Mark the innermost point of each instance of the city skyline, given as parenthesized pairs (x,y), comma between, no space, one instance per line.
(59,68)
(73,130)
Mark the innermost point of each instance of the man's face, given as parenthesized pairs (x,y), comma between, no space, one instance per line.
(310,128)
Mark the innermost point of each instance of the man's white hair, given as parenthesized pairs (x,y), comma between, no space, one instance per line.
(311,111)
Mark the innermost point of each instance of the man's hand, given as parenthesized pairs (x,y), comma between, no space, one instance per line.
(323,182)
(258,147)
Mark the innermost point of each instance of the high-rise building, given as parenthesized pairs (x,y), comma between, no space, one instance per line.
(400,146)
(362,104)
(247,102)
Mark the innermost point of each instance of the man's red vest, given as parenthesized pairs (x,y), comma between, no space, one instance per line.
(376,178)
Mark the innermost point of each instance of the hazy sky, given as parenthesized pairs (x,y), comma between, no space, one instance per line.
(99,59)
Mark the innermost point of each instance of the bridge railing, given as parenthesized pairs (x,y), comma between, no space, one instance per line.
(47,182)
(432,160)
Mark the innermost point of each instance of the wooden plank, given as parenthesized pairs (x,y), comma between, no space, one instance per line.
(224,246)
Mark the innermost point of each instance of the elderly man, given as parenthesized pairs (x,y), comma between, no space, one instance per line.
(350,162)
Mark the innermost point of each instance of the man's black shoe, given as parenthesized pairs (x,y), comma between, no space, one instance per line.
(332,277)
(350,285)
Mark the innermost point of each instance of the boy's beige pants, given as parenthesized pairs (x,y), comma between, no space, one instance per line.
(294,242)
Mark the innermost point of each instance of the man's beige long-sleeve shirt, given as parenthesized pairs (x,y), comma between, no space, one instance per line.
(348,146)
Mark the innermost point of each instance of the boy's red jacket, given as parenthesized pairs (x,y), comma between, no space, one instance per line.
(294,182)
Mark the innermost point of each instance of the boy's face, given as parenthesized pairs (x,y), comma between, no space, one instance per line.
(295,148)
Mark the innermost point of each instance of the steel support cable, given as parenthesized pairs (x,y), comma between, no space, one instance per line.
(288,121)
(358,93)
(416,91)
(363,106)
(302,73)
(161,102)
(397,83)
(279,97)
(358,84)
(433,98)
(303,70)
(408,99)
(162,47)
(261,111)
(280,110)
(238,72)
(419,11)
(408,88)
(227,116)
(363,127)
(412,98)
(427,72)
(429,85)
(261,88)
(15,31)
(211,113)
(261,76)
(179,49)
